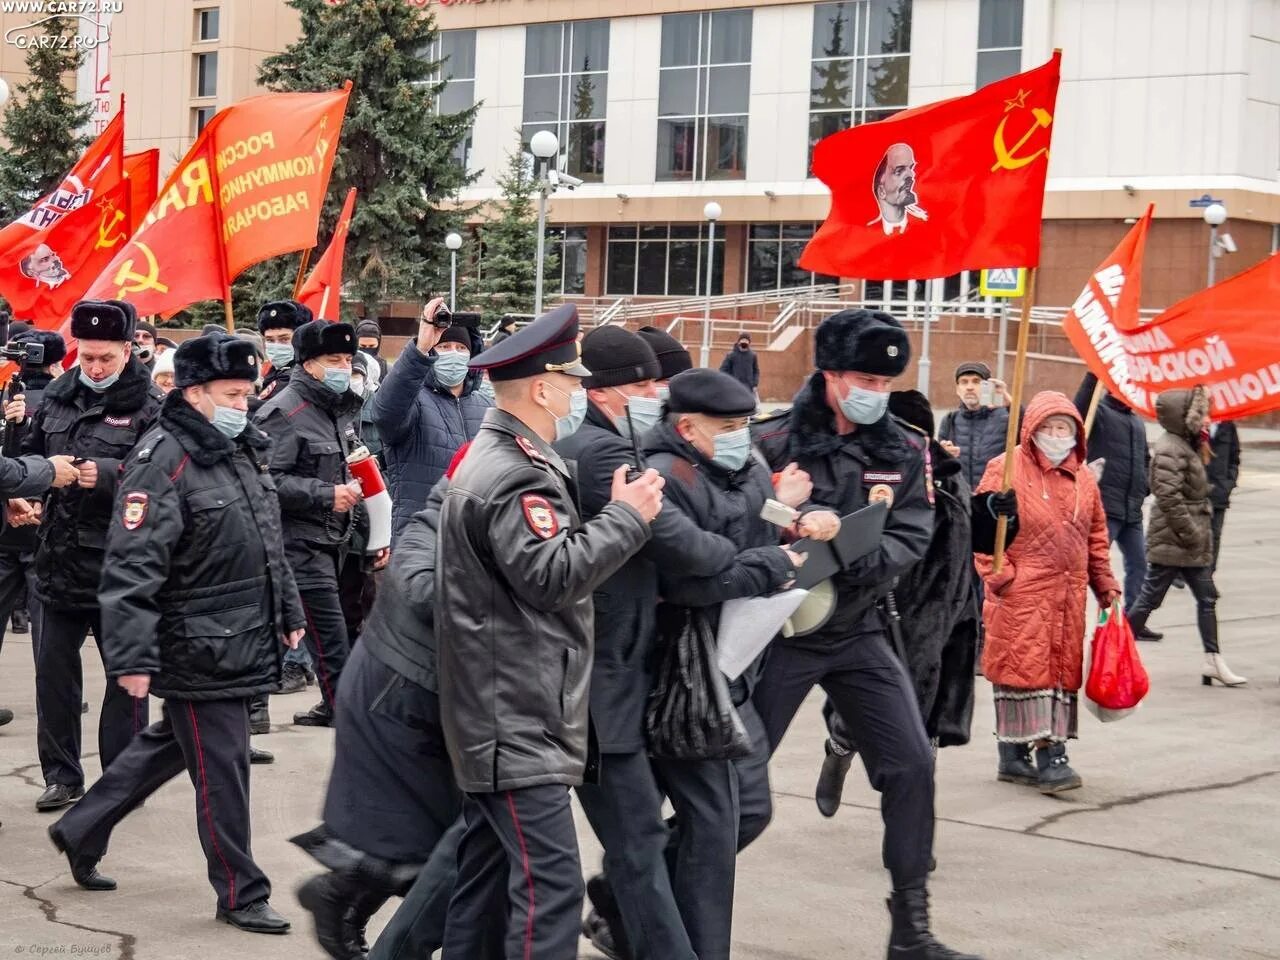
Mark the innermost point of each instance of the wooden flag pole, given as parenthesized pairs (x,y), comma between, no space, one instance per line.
(1015,406)
(228,315)
(302,272)
(1098,393)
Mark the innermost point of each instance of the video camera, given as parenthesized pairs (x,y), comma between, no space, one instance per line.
(24,353)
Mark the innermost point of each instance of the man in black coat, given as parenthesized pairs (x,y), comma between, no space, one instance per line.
(196,600)
(94,413)
(741,364)
(1224,474)
(313,427)
(841,433)
(975,433)
(1120,437)
(625,807)
(276,322)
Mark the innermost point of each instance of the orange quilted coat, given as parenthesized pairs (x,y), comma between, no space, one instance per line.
(1034,610)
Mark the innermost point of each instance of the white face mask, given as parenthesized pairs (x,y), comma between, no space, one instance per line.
(1055,449)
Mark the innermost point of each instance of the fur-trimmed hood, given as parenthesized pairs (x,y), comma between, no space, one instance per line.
(813,428)
(199,437)
(126,395)
(1183,412)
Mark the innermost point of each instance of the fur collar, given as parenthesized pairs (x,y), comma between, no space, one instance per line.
(199,437)
(126,395)
(813,428)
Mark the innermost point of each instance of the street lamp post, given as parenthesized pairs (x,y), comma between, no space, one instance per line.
(454,242)
(712,212)
(1215,215)
(544,146)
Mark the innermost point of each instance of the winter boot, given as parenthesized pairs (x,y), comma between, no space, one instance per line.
(831,778)
(603,927)
(321,715)
(293,678)
(259,716)
(20,621)
(1215,668)
(1056,774)
(331,898)
(1016,765)
(911,939)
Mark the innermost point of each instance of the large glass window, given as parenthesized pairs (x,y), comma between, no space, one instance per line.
(662,259)
(455,52)
(999,40)
(570,243)
(566,85)
(773,256)
(861,64)
(207,24)
(704,85)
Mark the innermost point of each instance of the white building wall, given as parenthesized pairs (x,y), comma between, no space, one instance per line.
(778,124)
(500,90)
(630,150)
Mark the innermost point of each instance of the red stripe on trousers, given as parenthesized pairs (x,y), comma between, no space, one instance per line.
(208,811)
(528,875)
(315,634)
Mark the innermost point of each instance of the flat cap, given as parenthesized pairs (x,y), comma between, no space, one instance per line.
(710,392)
(547,345)
(973,368)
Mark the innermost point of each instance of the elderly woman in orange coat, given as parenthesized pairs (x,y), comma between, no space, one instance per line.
(1035,606)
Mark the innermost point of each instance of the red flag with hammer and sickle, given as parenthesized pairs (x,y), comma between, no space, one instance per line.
(954,185)
(250,188)
(323,289)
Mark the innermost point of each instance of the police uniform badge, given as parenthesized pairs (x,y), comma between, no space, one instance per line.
(135,510)
(530,451)
(880,493)
(540,516)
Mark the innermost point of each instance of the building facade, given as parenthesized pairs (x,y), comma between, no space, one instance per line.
(660,106)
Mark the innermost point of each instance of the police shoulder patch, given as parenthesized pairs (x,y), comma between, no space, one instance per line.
(540,516)
(135,509)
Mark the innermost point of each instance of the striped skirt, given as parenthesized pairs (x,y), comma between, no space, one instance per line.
(1024,716)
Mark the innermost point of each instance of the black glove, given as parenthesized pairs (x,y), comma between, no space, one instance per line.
(1003,504)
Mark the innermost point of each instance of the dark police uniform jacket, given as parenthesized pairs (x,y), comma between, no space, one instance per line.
(880,461)
(196,591)
(514,613)
(312,429)
(102,427)
(626,604)
(35,475)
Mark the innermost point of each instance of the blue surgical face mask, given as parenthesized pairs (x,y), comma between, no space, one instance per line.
(451,367)
(645,414)
(732,449)
(337,379)
(568,425)
(864,406)
(664,393)
(229,421)
(280,354)
(99,386)
(485,389)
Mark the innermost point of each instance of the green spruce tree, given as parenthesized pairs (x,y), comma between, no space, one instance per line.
(43,124)
(510,237)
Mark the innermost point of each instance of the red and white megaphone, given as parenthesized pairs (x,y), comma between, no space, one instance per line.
(376,499)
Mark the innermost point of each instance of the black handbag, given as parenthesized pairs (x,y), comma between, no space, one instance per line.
(690,715)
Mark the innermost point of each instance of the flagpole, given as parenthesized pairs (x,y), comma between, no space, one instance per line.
(1098,392)
(1015,408)
(302,272)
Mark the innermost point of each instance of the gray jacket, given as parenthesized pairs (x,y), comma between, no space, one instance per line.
(513,611)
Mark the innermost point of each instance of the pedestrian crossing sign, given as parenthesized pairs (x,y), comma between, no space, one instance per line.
(1003,282)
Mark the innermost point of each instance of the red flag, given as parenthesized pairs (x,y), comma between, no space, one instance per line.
(143,171)
(323,289)
(950,186)
(99,169)
(250,188)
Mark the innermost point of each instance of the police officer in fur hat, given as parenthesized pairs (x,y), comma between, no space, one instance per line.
(276,322)
(95,414)
(313,423)
(197,605)
(839,430)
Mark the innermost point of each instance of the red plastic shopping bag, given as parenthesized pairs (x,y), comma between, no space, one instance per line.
(1117,679)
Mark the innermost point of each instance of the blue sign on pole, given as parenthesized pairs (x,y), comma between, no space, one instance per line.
(1204,201)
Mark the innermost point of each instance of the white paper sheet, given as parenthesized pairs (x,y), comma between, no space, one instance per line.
(747,626)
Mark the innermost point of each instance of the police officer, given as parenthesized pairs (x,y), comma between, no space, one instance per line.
(625,808)
(95,414)
(313,425)
(514,627)
(276,322)
(196,599)
(840,432)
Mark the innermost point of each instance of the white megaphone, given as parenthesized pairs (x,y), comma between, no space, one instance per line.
(376,499)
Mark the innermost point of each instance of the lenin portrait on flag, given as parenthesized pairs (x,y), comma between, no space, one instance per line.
(44,267)
(894,187)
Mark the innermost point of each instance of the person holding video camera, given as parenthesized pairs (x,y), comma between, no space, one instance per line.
(428,406)
(92,416)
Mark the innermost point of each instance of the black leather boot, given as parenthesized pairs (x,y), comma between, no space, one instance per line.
(367,903)
(603,926)
(831,779)
(318,716)
(257,917)
(259,716)
(84,870)
(911,939)
(330,899)
(1016,765)
(1056,774)
(58,795)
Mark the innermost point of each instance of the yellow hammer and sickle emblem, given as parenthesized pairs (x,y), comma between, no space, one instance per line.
(105,236)
(131,281)
(1007,157)
(322,142)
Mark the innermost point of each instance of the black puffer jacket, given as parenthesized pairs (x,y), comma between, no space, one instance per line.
(1120,436)
(1224,468)
(980,434)
(195,588)
(743,366)
(1180,533)
(102,427)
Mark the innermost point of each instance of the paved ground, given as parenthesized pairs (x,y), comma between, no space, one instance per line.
(1171,850)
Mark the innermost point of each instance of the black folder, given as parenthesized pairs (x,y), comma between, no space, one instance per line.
(859,534)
